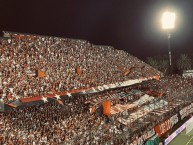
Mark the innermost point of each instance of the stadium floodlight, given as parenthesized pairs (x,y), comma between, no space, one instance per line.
(168,23)
(168,20)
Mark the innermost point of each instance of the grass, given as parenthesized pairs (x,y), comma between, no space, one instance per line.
(183,139)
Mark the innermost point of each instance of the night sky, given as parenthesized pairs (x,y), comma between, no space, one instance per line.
(132,25)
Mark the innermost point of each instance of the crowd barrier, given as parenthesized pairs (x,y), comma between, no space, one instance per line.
(164,127)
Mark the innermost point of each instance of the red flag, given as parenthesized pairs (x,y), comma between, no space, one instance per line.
(9,96)
(20,141)
(106,108)
(60,102)
(157,77)
(41,74)
(121,68)
(128,71)
(93,109)
(78,70)
(12,105)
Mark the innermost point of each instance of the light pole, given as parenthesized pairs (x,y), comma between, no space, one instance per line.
(168,23)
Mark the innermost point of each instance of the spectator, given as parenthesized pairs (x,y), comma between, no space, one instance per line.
(58,58)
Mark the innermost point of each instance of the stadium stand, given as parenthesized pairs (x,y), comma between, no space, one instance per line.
(35,65)
(41,67)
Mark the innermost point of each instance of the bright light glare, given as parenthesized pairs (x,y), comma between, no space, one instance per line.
(168,20)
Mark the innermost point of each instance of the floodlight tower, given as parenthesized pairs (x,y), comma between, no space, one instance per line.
(168,23)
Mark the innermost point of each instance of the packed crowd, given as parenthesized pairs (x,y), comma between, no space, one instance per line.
(75,64)
(53,123)
(67,64)
(172,86)
(75,123)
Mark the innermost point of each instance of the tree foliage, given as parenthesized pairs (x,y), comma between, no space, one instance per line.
(184,62)
(153,62)
(179,63)
(159,63)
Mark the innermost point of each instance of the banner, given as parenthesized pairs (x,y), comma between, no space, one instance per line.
(165,126)
(121,108)
(116,85)
(186,111)
(140,140)
(142,112)
(39,73)
(179,130)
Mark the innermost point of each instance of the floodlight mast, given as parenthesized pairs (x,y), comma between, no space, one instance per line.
(168,23)
(169,49)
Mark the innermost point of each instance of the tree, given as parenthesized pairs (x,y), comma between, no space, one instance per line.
(151,61)
(164,66)
(184,62)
